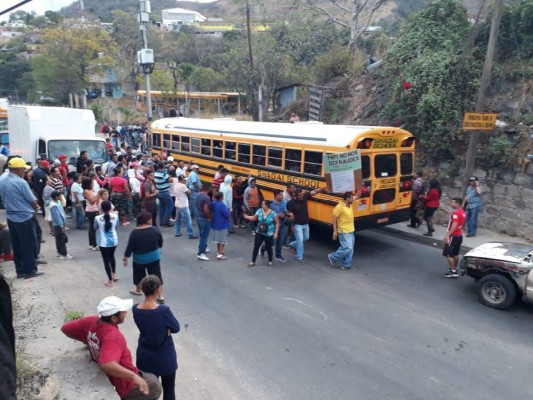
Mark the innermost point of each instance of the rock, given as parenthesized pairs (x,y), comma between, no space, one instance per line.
(523,180)
(50,389)
(359,88)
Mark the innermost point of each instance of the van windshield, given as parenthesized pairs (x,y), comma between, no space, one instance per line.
(72,148)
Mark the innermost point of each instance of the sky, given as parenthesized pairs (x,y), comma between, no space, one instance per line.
(40,6)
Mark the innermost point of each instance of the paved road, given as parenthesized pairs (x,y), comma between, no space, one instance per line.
(392,329)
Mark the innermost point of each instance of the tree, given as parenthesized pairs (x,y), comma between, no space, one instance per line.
(350,11)
(431,82)
(69,56)
(206,79)
(126,35)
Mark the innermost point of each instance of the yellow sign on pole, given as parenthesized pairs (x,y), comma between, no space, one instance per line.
(479,121)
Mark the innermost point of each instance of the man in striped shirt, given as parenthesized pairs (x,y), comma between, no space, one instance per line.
(162,182)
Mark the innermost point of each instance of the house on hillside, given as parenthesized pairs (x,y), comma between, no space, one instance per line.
(179,16)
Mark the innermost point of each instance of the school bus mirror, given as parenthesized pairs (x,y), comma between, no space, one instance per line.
(408,142)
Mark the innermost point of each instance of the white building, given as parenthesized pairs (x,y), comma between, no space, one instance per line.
(180,16)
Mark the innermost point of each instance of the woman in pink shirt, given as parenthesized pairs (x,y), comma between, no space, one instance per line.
(91,209)
(120,194)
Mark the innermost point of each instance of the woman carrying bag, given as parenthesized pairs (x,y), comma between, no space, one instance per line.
(266,229)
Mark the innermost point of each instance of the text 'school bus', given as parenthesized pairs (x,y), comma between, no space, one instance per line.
(280,153)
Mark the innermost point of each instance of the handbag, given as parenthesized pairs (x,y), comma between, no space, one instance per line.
(262,228)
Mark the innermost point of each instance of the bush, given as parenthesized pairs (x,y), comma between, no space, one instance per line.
(498,154)
(338,61)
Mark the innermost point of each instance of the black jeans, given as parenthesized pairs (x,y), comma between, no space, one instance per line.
(24,243)
(91,215)
(168,383)
(60,246)
(413,212)
(259,239)
(108,255)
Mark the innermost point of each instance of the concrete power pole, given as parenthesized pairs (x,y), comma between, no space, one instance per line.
(145,58)
(483,87)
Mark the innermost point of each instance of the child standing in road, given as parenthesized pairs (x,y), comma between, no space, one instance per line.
(59,220)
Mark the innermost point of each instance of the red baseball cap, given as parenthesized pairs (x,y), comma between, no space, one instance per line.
(44,163)
(109,146)
(62,157)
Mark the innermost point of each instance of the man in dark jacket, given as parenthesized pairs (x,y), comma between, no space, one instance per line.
(39,181)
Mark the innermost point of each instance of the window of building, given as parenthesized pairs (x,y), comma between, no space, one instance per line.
(293,160)
(206,147)
(195,145)
(230,152)
(385,165)
(244,153)
(259,155)
(185,144)
(313,163)
(275,157)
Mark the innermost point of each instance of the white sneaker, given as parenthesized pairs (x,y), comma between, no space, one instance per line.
(67,257)
(202,257)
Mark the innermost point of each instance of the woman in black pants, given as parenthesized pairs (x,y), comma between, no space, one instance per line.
(106,224)
(145,244)
(266,229)
(91,209)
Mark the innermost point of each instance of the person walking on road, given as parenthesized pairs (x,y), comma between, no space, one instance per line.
(107,240)
(195,186)
(91,209)
(267,229)
(108,347)
(454,238)
(21,204)
(416,192)
(183,212)
(155,351)
(279,206)
(203,206)
(431,203)
(162,182)
(59,221)
(252,200)
(78,202)
(472,203)
(150,201)
(220,224)
(343,229)
(145,243)
(120,194)
(298,207)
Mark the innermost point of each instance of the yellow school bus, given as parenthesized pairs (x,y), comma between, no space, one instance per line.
(280,153)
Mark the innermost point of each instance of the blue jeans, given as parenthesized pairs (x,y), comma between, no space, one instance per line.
(24,243)
(345,252)
(183,214)
(282,232)
(301,235)
(204,226)
(114,141)
(192,204)
(78,215)
(166,207)
(471,219)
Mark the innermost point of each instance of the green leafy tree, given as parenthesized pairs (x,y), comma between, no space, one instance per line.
(431,83)
(206,79)
(126,35)
(69,58)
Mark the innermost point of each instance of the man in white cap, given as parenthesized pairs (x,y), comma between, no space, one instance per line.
(108,347)
(21,204)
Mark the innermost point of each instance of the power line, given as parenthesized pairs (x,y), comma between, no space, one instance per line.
(14,7)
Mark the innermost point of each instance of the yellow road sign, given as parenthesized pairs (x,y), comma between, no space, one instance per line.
(479,121)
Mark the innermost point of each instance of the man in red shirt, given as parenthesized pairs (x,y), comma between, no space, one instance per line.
(454,238)
(108,347)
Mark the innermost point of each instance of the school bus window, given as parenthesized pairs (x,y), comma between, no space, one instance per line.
(230,150)
(157,139)
(195,145)
(365,167)
(406,164)
(313,163)
(385,165)
(293,160)
(175,142)
(185,140)
(206,147)
(167,141)
(244,153)
(275,157)
(217,148)
(259,155)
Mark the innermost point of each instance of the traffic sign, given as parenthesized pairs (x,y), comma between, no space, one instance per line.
(479,121)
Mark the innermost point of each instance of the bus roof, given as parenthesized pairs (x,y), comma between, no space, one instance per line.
(304,133)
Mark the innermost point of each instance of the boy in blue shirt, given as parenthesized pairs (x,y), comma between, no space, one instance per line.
(59,220)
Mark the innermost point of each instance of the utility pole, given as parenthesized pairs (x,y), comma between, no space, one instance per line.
(483,87)
(145,57)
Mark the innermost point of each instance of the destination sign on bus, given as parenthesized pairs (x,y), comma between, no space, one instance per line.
(385,143)
(296,180)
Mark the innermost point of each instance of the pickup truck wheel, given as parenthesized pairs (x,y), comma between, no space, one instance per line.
(496,291)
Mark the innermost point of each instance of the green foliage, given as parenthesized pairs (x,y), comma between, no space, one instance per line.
(73,315)
(98,110)
(336,111)
(528,119)
(206,79)
(338,61)
(431,83)
(15,76)
(498,154)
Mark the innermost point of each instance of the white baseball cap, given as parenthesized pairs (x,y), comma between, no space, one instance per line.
(112,305)
(170,158)
(195,167)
